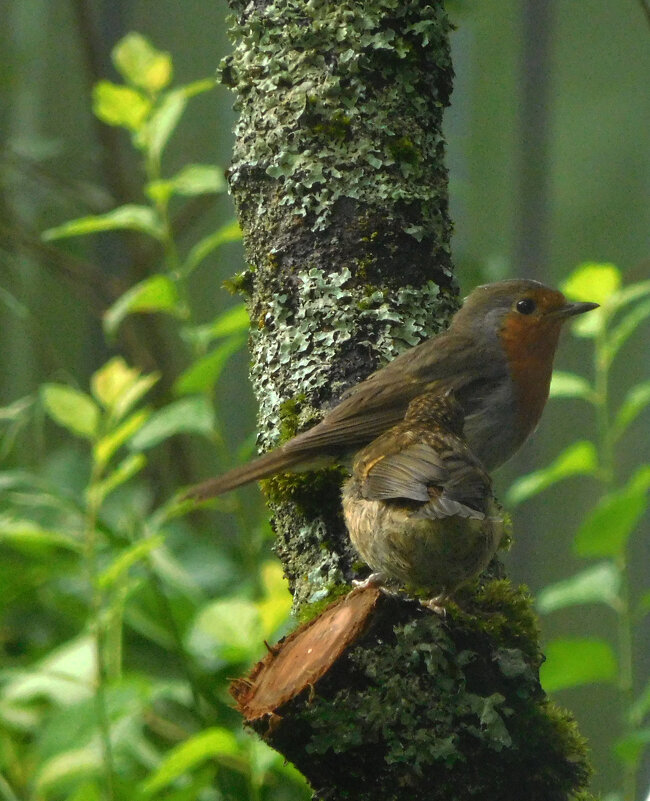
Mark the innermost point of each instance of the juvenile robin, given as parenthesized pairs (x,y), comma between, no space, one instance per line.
(497,358)
(419,506)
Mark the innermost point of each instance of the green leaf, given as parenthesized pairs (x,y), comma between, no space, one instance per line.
(640,707)
(569,385)
(125,470)
(155,294)
(108,444)
(598,584)
(629,749)
(140,64)
(71,409)
(230,232)
(232,321)
(162,124)
(275,607)
(195,179)
(629,294)
(204,373)
(209,744)
(119,387)
(624,330)
(67,768)
(65,676)
(124,218)
(29,536)
(573,662)
(228,630)
(635,402)
(199,179)
(120,105)
(607,529)
(593,281)
(578,459)
(125,561)
(193,415)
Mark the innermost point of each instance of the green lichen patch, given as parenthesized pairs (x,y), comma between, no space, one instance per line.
(346,100)
(322,319)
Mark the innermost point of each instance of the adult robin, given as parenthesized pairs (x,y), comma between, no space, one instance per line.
(497,358)
(419,506)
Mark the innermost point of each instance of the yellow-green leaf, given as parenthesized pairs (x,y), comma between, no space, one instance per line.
(275,607)
(108,444)
(119,387)
(592,281)
(209,744)
(141,64)
(120,105)
(71,409)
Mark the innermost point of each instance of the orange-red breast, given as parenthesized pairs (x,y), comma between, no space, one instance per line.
(496,356)
(419,506)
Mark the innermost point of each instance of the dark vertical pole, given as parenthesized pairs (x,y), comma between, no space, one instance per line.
(532,242)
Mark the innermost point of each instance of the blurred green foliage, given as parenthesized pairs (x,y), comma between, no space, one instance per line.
(120,656)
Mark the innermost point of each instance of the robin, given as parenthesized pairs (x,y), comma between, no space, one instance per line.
(497,358)
(419,506)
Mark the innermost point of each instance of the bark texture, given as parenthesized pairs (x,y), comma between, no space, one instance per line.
(339,181)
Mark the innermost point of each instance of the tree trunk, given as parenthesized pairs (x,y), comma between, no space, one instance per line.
(341,190)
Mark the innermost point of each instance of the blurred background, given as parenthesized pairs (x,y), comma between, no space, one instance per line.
(549,159)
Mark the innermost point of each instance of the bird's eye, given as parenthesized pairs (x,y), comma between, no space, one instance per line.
(526,306)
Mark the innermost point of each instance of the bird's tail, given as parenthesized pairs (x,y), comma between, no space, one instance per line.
(275,461)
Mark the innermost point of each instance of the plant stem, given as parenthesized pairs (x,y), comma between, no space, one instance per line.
(624,622)
(97,628)
(626,669)
(605,446)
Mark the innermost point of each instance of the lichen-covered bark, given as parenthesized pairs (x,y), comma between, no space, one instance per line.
(341,190)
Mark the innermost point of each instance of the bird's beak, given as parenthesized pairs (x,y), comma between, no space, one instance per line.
(572,309)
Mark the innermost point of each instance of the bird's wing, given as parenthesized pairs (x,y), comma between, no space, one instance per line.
(406,474)
(446,482)
(371,407)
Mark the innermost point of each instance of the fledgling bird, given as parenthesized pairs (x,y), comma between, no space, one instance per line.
(419,506)
(497,358)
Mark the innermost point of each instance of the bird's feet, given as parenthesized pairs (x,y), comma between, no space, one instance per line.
(373,580)
(436,604)
(377,580)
